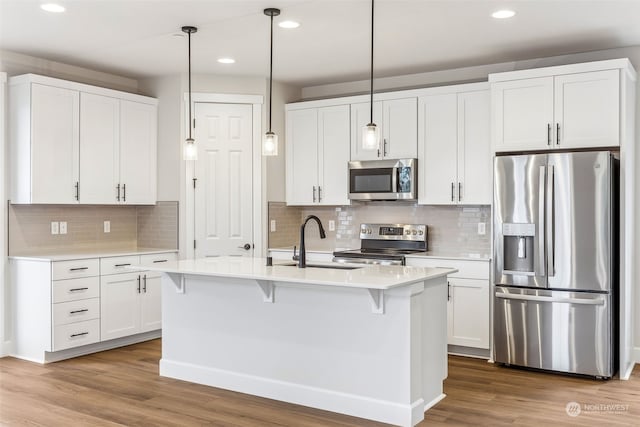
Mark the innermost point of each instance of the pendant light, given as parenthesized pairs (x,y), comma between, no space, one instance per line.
(371,132)
(190,150)
(270,140)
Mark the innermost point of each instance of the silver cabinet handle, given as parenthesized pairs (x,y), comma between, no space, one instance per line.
(118,196)
(448,291)
(122,265)
(378,152)
(159,260)
(78,268)
(459,191)
(537,298)
(138,283)
(144,287)
(77,190)
(124,192)
(319,193)
(557,133)
(453,186)
(548,133)
(78,289)
(384,150)
(314,194)
(78,334)
(84,310)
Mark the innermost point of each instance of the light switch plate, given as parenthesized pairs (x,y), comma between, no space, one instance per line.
(332,225)
(107,226)
(272,226)
(63,227)
(54,227)
(482,228)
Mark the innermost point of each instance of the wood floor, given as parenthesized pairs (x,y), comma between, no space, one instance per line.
(122,387)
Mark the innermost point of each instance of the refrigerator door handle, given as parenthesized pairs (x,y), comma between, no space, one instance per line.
(541,222)
(580,301)
(551,232)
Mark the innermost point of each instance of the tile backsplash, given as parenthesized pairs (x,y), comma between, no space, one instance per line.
(452,230)
(131,227)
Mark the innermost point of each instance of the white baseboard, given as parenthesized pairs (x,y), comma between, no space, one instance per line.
(329,400)
(636,355)
(434,402)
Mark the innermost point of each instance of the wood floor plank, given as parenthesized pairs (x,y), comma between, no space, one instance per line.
(122,387)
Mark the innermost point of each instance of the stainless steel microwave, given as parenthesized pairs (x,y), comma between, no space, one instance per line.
(383,180)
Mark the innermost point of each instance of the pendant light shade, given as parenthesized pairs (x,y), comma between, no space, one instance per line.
(190,151)
(270,140)
(371,132)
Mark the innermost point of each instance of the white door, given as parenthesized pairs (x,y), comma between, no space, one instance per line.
(138,123)
(438,152)
(224,176)
(468,313)
(99,149)
(150,304)
(522,114)
(333,155)
(360,117)
(54,144)
(475,179)
(400,131)
(302,157)
(587,109)
(120,305)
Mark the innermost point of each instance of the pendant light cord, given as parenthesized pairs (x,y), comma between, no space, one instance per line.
(371,118)
(271,74)
(190,120)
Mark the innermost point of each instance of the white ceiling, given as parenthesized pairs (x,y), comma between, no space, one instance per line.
(137,38)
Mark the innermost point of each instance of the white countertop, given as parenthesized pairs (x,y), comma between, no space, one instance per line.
(369,277)
(93,253)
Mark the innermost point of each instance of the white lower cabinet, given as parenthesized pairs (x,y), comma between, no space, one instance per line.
(468,302)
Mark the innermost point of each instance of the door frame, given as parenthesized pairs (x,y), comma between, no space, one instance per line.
(259,205)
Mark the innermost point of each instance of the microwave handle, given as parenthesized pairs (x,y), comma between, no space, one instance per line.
(395,179)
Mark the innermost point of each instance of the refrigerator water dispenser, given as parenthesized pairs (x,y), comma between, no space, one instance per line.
(518,248)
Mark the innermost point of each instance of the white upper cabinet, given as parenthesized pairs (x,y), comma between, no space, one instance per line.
(75,143)
(454,151)
(397,120)
(44,143)
(564,107)
(317,155)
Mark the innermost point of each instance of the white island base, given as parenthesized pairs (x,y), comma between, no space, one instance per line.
(369,343)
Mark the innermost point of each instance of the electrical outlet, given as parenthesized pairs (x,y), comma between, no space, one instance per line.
(63,227)
(272,226)
(482,228)
(332,225)
(55,227)
(107,226)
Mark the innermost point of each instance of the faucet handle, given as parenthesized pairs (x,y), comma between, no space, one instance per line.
(295,257)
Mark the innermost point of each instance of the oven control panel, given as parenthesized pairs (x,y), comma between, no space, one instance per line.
(414,232)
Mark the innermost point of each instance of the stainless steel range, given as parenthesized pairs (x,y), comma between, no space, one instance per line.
(385,244)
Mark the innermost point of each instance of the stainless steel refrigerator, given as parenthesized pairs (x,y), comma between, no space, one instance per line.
(556,266)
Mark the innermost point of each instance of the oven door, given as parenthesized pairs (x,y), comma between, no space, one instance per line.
(383,180)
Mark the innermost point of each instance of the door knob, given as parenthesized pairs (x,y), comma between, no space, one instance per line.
(246,246)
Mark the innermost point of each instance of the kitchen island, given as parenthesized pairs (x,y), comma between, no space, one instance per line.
(368,342)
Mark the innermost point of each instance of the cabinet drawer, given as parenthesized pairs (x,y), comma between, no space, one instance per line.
(76,334)
(118,264)
(158,258)
(76,311)
(61,270)
(75,289)
(466,269)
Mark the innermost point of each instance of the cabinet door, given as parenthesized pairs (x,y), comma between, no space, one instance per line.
(468,313)
(587,109)
(138,124)
(54,144)
(475,179)
(119,305)
(333,157)
(150,304)
(302,157)
(360,117)
(400,130)
(99,157)
(522,112)
(437,161)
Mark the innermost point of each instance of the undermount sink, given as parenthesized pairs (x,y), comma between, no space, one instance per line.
(333,267)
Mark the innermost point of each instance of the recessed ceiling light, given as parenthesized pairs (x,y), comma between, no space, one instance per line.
(52,7)
(289,24)
(226,60)
(502,14)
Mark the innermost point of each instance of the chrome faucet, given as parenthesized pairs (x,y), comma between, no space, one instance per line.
(302,258)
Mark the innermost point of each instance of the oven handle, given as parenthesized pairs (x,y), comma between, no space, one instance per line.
(369,261)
